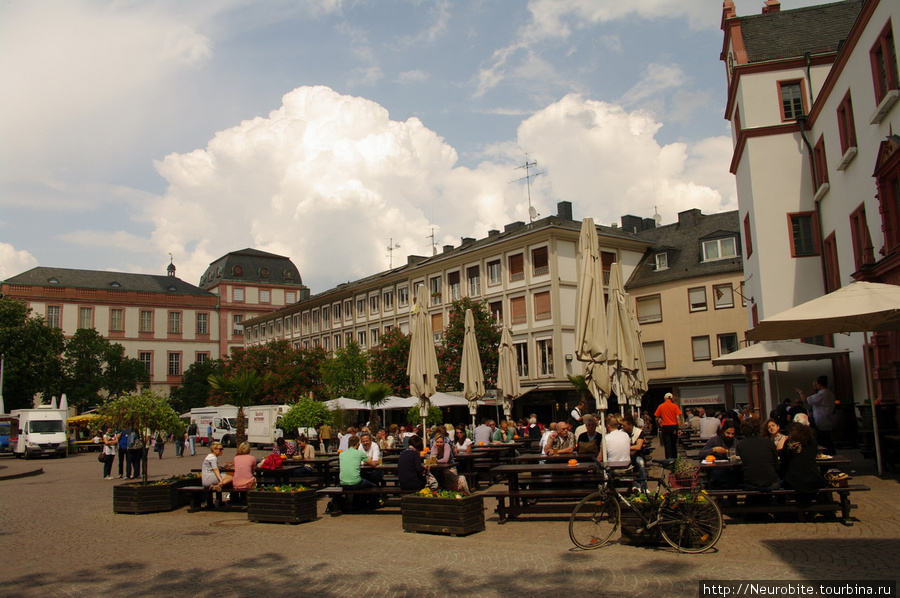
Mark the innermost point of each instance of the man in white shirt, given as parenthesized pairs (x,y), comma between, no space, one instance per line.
(551,428)
(618,443)
(708,427)
(698,415)
(483,433)
(372,450)
(577,414)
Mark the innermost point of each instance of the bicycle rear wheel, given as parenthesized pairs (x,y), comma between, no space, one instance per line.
(594,520)
(690,521)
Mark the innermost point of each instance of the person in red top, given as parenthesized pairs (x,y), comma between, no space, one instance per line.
(669,417)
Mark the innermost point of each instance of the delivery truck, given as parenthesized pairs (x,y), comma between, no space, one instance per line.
(264,424)
(40,431)
(222,419)
(261,423)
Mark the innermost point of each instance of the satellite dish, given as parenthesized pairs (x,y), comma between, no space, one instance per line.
(532,212)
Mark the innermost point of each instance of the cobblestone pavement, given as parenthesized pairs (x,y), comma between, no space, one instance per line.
(61,538)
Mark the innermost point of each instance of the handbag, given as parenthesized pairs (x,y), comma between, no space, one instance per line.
(101,457)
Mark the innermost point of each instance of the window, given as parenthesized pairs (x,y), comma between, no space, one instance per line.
(387,300)
(846,126)
(117,320)
(278,327)
(287,325)
(542,306)
(265,296)
(270,329)
(697,299)
(700,348)
(202,323)
(832,270)
(146,320)
(373,304)
(655,355)
(887,180)
(804,234)
(349,338)
(723,296)
(820,162)
(174,364)
(522,359)
(373,334)
(348,310)
(747,238)
(453,285)
(496,308)
(437,326)
(516,267)
(884,63)
(361,338)
(337,341)
(859,237)
(237,325)
(53,316)
(85,317)
(202,357)
(493,272)
(238,294)
(315,321)
(360,307)
(728,343)
(473,276)
(662,260)
(792,99)
(305,322)
(337,312)
(517,310)
(290,297)
(326,343)
(326,317)
(545,357)
(403,296)
(174,322)
(649,309)
(434,285)
(719,249)
(146,359)
(540,263)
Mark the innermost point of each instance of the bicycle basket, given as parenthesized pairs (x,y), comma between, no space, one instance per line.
(685,479)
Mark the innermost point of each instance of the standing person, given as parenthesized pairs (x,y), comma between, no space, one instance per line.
(822,403)
(159,444)
(192,436)
(325,434)
(135,455)
(577,414)
(178,441)
(668,415)
(122,441)
(110,440)
(209,433)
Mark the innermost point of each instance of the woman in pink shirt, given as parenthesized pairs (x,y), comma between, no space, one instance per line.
(244,467)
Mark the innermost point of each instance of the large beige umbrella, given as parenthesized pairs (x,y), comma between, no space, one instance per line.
(641,383)
(590,326)
(471,375)
(858,307)
(620,338)
(507,373)
(422,367)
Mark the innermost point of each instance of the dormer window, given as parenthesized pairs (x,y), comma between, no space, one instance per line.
(53,280)
(288,275)
(662,261)
(719,249)
(237,271)
(263,272)
(114,285)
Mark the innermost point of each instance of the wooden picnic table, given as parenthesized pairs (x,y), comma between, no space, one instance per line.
(537,457)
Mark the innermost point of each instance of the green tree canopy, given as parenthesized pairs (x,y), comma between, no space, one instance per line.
(345,372)
(435,416)
(96,367)
(388,359)
(449,353)
(292,373)
(305,413)
(31,353)
(195,388)
(243,388)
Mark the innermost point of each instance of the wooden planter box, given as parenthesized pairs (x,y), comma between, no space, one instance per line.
(135,498)
(281,507)
(453,516)
(631,523)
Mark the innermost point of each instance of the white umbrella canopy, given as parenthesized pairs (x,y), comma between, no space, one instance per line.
(590,327)
(508,387)
(347,404)
(775,351)
(422,367)
(471,374)
(619,338)
(857,307)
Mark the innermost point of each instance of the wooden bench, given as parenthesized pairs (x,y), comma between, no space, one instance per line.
(825,502)
(529,501)
(338,495)
(199,494)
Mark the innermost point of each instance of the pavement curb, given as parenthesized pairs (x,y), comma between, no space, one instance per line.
(22,474)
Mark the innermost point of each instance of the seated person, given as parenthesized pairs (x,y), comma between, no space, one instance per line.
(244,469)
(551,428)
(351,462)
(708,427)
(410,469)
(772,431)
(210,476)
(589,441)
(505,434)
(798,462)
(462,443)
(442,453)
(636,435)
(618,443)
(283,447)
(373,452)
(305,451)
(718,446)
(759,458)
(695,421)
(560,441)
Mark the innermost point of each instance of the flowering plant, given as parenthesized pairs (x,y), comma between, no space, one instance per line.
(173,479)
(282,488)
(429,493)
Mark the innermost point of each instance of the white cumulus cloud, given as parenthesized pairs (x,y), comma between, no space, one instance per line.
(13,261)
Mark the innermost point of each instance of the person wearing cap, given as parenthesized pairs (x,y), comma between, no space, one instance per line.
(668,415)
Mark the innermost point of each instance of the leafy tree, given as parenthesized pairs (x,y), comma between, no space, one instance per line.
(243,388)
(449,353)
(291,373)
(345,372)
(435,416)
(581,387)
(388,359)
(145,412)
(31,351)
(305,413)
(374,394)
(195,389)
(93,364)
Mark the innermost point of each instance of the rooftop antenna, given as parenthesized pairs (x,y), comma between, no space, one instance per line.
(391,247)
(528,166)
(433,246)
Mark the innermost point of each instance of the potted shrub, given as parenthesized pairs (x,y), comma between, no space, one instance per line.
(630,522)
(154,497)
(442,512)
(285,503)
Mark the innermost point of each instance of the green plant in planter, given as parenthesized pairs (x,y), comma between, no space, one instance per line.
(282,488)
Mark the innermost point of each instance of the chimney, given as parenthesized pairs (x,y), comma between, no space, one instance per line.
(564,210)
(493,233)
(771,6)
(513,226)
(412,260)
(447,248)
(648,224)
(689,217)
(466,241)
(631,224)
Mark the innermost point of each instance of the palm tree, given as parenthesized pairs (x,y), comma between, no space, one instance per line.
(242,387)
(581,387)
(374,394)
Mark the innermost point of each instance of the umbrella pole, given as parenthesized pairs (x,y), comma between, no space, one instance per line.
(871,388)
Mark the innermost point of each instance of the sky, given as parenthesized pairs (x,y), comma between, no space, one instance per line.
(327,130)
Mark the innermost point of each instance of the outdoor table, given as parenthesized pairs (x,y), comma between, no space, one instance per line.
(537,457)
(513,470)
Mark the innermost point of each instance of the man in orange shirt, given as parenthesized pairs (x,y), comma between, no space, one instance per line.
(668,415)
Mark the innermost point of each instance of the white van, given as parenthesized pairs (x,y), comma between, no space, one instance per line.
(42,431)
(223,420)
(263,424)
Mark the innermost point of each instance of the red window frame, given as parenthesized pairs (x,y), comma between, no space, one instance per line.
(883,57)
(815,233)
(780,86)
(748,242)
(821,162)
(832,269)
(846,124)
(860,239)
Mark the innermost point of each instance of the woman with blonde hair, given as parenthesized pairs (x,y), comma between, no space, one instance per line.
(209,472)
(244,468)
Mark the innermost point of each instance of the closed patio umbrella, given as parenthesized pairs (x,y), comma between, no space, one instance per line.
(619,339)
(640,385)
(508,387)
(471,374)
(422,367)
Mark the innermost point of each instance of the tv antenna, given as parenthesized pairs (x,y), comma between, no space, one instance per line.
(528,166)
(391,247)
(433,246)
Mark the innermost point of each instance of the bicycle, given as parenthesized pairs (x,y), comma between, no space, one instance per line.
(688,519)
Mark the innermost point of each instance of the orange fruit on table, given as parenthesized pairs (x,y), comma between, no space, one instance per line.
(573,461)
(710,458)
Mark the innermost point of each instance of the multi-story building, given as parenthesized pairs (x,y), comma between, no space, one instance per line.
(812,96)
(689,301)
(163,321)
(527,274)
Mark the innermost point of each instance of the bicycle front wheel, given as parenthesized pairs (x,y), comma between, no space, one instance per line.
(690,521)
(594,520)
